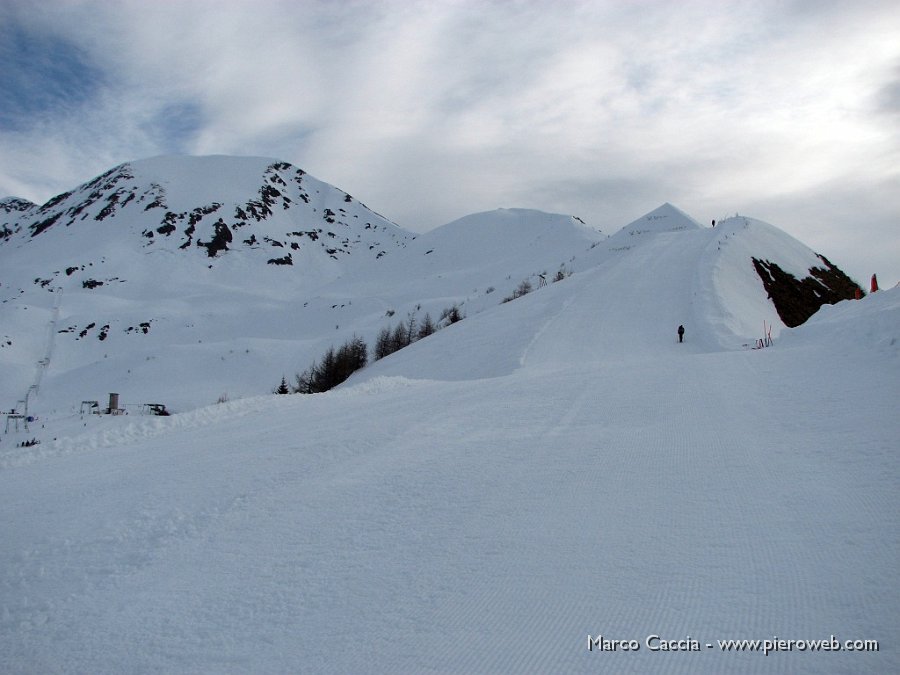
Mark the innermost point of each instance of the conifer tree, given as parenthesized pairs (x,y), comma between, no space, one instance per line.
(283,387)
(324,376)
(399,338)
(427,327)
(382,344)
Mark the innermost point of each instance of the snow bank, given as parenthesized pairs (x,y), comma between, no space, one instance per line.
(854,326)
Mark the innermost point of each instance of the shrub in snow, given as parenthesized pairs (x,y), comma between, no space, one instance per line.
(523,288)
(451,315)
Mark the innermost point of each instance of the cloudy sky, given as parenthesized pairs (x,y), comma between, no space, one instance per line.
(788,111)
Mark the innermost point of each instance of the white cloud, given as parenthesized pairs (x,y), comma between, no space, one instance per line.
(430,110)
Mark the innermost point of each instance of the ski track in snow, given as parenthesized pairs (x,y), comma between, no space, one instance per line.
(560,509)
(604,320)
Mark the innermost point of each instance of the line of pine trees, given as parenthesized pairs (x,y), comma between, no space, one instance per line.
(335,366)
(402,335)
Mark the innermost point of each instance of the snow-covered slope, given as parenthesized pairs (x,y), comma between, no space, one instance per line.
(502,239)
(854,327)
(631,292)
(605,481)
(473,262)
(176,202)
(547,469)
(177,264)
(164,261)
(223,274)
(665,218)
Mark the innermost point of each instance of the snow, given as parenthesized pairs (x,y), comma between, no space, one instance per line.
(189,181)
(549,468)
(233,324)
(665,218)
(244,320)
(847,326)
(481,526)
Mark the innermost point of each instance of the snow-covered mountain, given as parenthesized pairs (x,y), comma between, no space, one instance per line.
(248,266)
(553,471)
(211,204)
(156,256)
(248,269)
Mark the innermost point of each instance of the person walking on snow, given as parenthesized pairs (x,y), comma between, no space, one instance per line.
(681,333)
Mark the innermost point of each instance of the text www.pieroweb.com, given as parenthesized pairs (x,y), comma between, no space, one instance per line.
(656,643)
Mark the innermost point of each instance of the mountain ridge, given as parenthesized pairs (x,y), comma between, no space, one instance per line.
(254,268)
(172,195)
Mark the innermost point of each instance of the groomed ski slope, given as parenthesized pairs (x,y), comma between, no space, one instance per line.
(485,499)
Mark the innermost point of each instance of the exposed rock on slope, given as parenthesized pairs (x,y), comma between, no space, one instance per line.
(798,299)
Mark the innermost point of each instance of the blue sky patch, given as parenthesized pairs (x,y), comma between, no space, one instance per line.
(175,125)
(41,76)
